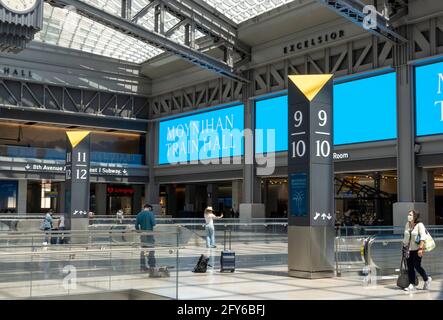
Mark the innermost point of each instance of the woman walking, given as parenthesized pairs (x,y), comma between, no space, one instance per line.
(209,226)
(414,241)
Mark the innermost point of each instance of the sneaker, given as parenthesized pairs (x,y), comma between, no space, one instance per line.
(427,285)
(411,288)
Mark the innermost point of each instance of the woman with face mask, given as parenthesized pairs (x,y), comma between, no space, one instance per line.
(415,234)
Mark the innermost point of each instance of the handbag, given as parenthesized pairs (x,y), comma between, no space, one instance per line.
(403,278)
(429,243)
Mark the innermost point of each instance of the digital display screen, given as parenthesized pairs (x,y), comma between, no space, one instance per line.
(207,135)
(429,99)
(364,110)
(272,114)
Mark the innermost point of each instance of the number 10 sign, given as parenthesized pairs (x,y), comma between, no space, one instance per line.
(310,149)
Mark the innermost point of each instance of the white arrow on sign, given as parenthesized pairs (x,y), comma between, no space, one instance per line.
(28,167)
(316,215)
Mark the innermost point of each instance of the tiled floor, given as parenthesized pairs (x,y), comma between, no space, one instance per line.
(261,274)
(273,283)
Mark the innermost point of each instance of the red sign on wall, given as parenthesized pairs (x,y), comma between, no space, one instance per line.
(120,190)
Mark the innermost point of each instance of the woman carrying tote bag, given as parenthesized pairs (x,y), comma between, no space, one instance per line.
(414,247)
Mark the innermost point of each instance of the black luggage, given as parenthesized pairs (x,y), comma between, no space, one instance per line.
(202,264)
(227,258)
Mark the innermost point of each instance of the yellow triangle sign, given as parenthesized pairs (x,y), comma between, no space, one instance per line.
(75,137)
(310,85)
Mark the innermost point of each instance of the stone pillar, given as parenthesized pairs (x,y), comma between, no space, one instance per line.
(22,196)
(190,197)
(409,176)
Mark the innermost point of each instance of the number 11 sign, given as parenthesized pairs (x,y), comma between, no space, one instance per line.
(77,176)
(310,161)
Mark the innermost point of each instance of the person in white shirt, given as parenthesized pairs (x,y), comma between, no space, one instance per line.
(209,226)
(414,239)
(120,216)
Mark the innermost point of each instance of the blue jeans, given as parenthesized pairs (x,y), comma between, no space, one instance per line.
(210,236)
(147,241)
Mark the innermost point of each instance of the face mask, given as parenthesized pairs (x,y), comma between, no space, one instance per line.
(410,218)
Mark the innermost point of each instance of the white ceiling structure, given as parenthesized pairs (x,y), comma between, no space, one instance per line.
(66,28)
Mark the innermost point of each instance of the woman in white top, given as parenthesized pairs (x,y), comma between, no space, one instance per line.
(414,239)
(209,226)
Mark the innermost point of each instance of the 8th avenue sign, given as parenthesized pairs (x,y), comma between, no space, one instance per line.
(33,167)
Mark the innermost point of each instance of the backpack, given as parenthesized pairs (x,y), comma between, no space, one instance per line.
(201,265)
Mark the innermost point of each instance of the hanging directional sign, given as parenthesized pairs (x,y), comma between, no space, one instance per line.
(77,175)
(310,153)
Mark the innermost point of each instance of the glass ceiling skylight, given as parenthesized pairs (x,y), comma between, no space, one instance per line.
(242,10)
(66,28)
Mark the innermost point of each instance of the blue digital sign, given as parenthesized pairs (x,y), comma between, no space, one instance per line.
(207,135)
(272,114)
(429,99)
(364,110)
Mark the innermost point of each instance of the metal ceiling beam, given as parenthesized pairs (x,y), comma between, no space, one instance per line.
(206,22)
(353,11)
(144,11)
(131,29)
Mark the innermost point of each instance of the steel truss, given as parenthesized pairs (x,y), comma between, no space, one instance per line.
(356,56)
(353,10)
(159,37)
(15,93)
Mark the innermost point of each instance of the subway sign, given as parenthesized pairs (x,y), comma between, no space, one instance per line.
(207,135)
(429,99)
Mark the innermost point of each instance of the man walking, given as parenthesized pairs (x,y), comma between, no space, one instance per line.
(145,221)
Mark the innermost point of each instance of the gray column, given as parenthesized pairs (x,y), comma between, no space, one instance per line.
(236,194)
(61,197)
(171,200)
(22,196)
(100,198)
(252,206)
(137,199)
(152,189)
(212,190)
(429,183)
(190,197)
(409,179)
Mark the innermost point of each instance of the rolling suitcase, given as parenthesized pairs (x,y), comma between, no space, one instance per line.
(227,258)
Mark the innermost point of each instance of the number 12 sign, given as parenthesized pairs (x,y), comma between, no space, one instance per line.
(77,174)
(310,144)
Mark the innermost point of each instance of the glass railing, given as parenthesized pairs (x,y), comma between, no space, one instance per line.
(53,154)
(383,253)
(79,264)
